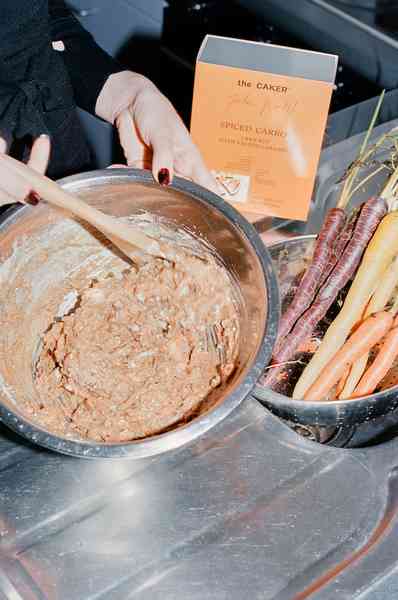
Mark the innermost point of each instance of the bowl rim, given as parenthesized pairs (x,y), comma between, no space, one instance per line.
(188,432)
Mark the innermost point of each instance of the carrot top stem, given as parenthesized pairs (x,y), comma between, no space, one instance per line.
(356,166)
(372,123)
(390,189)
(366,179)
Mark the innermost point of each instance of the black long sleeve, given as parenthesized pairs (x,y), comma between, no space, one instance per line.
(35,89)
(40,87)
(88,65)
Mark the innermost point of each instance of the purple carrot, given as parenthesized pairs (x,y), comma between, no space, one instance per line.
(323,255)
(370,216)
(341,243)
(339,247)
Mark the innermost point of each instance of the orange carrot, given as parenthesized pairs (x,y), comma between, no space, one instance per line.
(342,381)
(365,337)
(381,364)
(385,289)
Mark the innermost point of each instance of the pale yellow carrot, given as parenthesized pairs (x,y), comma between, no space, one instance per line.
(382,295)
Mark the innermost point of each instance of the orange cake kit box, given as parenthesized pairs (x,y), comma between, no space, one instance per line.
(258,116)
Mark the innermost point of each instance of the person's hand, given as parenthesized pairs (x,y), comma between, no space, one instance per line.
(14,188)
(151,133)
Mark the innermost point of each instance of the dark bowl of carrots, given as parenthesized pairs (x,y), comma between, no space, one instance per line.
(332,410)
(335,361)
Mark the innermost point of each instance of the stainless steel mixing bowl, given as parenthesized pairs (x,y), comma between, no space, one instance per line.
(40,249)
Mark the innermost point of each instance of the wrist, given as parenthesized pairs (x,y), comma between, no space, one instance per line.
(119,91)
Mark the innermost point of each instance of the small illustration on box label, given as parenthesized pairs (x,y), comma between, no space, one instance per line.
(232,186)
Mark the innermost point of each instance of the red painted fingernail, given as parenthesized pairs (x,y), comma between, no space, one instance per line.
(164,177)
(33,198)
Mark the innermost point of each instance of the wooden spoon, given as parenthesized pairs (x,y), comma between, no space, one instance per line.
(125,236)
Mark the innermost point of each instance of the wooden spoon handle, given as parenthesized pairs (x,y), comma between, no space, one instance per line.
(57,196)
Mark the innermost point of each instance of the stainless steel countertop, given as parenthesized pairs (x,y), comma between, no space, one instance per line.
(249,510)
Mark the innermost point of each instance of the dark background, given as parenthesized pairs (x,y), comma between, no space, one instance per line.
(161,39)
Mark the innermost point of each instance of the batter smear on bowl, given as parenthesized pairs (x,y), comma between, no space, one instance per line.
(140,353)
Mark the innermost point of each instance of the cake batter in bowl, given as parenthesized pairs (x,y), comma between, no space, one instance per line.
(54,271)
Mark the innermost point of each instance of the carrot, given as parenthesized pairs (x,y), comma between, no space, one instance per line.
(272,375)
(381,364)
(383,293)
(322,256)
(365,337)
(342,240)
(379,253)
(355,373)
(370,215)
(342,382)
